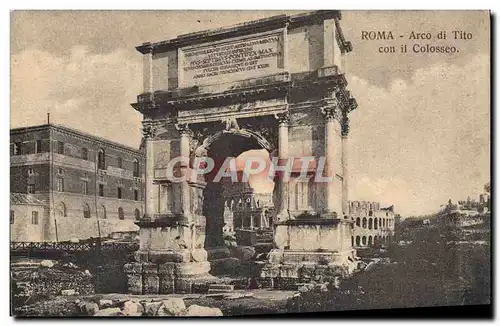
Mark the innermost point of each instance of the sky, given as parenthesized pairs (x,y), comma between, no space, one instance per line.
(420,135)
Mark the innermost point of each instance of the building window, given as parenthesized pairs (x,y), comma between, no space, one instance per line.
(121,215)
(60,147)
(85,154)
(136,194)
(119,192)
(61,210)
(60,171)
(375,224)
(370,213)
(60,184)
(358,241)
(120,163)
(101,190)
(103,212)
(364,222)
(370,240)
(136,168)
(84,187)
(370,223)
(31,188)
(38,146)
(137,214)
(30,171)
(17,148)
(358,222)
(34,217)
(101,160)
(11,217)
(86,211)
(363,240)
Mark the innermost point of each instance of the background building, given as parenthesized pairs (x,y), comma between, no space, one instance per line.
(373,225)
(26,213)
(90,186)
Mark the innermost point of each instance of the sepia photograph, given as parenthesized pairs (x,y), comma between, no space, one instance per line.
(221,163)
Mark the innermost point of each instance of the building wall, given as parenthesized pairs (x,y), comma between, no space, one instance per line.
(23,230)
(372,225)
(45,168)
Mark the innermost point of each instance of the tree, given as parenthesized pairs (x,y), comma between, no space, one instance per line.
(487,187)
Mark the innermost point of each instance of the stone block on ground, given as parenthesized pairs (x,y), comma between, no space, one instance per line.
(47,263)
(68,292)
(151,308)
(244,253)
(201,311)
(109,312)
(105,303)
(171,307)
(88,308)
(132,308)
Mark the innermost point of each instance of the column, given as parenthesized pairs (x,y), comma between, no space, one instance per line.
(184,151)
(330,110)
(345,169)
(147,68)
(150,196)
(283,121)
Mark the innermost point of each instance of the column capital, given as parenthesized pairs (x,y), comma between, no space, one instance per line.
(283,118)
(183,129)
(331,109)
(344,124)
(149,131)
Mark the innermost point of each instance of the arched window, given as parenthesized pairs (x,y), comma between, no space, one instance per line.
(380,222)
(383,223)
(121,215)
(61,210)
(102,213)
(370,223)
(364,222)
(370,213)
(358,241)
(364,240)
(375,240)
(375,223)
(136,168)
(86,211)
(137,214)
(358,222)
(101,160)
(352,241)
(370,240)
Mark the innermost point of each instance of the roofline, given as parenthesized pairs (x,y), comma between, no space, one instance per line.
(77,133)
(250,27)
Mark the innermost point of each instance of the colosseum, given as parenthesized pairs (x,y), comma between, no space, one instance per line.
(374,226)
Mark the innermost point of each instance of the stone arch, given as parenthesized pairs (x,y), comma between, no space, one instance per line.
(86,211)
(61,210)
(102,212)
(208,141)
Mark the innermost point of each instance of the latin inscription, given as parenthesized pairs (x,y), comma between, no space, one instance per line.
(230,60)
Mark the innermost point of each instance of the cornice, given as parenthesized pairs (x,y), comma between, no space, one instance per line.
(275,22)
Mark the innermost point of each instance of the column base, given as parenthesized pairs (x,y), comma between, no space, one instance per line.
(167,278)
(287,268)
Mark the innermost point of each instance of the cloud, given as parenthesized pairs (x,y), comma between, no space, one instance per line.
(429,137)
(89,92)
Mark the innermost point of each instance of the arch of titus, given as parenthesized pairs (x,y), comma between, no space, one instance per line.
(276,84)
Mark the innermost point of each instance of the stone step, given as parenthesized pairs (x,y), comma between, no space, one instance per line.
(220,288)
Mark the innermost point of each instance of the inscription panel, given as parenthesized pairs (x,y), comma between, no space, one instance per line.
(233,59)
